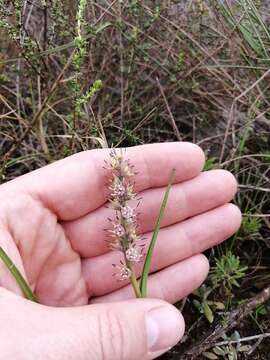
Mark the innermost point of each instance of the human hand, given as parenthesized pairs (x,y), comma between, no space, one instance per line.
(52,226)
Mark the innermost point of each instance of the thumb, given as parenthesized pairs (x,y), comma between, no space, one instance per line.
(129,330)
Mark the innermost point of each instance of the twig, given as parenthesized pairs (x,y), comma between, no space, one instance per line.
(231,115)
(257,215)
(257,343)
(250,187)
(177,133)
(40,112)
(230,322)
(245,339)
(17,116)
(138,126)
(267,156)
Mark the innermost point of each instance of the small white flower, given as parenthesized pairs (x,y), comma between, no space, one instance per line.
(133,254)
(123,272)
(118,189)
(118,230)
(128,213)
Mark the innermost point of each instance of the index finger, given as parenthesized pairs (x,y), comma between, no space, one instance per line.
(77,185)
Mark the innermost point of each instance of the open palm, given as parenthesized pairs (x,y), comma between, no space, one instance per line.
(52,224)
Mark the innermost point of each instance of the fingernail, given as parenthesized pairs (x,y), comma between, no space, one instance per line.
(164,328)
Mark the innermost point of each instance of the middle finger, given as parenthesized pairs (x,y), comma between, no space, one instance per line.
(207,191)
(175,243)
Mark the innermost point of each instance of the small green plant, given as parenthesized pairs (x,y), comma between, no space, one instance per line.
(251,225)
(229,349)
(251,25)
(260,311)
(78,59)
(16,31)
(180,59)
(210,164)
(84,98)
(227,271)
(204,305)
(81,97)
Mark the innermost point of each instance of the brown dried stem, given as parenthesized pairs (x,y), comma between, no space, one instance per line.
(230,322)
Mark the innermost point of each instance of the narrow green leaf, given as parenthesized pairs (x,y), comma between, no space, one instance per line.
(210,355)
(102,27)
(208,312)
(219,305)
(26,290)
(148,258)
(219,351)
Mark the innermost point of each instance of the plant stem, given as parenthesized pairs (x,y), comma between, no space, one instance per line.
(17,275)
(134,282)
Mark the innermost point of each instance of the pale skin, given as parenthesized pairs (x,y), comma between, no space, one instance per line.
(52,226)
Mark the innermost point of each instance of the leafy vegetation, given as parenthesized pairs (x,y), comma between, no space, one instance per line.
(79,75)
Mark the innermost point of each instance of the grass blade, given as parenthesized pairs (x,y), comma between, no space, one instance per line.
(26,290)
(147,262)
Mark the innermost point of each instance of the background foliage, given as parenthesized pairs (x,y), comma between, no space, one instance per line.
(82,74)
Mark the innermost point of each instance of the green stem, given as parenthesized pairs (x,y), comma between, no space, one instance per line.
(134,282)
(26,290)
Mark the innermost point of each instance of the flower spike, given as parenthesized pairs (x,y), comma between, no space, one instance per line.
(123,233)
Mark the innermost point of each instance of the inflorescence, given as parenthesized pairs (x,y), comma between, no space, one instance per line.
(123,232)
